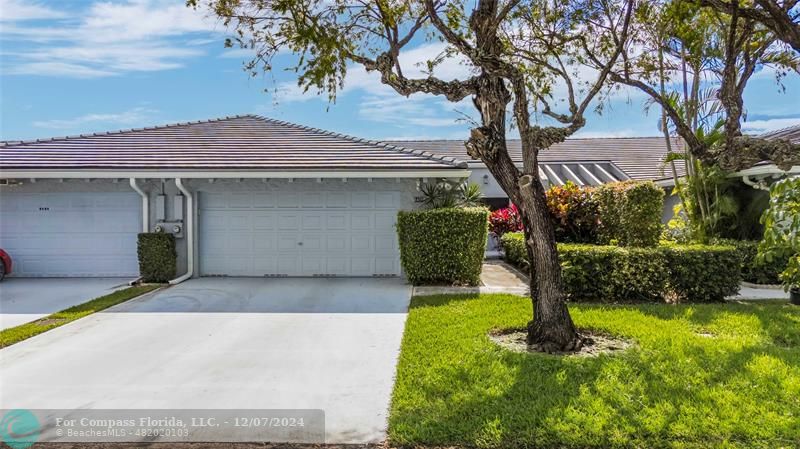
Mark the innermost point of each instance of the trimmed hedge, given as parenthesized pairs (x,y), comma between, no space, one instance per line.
(157,256)
(630,213)
(443,246)
(702,273)
(594,273)
(753,270)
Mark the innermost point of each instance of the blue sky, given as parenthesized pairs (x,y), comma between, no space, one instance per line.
(72,66)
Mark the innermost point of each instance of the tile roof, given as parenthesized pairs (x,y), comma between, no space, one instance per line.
(790,133)
(638,157)
(246,142)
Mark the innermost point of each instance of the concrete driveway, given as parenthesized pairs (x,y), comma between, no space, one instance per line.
(329,344)
(23,300)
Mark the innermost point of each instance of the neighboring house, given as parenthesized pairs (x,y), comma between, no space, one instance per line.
(595,161)
(585,162)
(246,196)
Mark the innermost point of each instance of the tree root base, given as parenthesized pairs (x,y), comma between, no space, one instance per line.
(588,344)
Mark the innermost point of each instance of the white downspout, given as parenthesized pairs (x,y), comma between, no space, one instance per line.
(189,228)
(145,205)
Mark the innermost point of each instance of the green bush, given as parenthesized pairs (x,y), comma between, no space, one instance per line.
(443,246)
(702,273)
(600,273)
(630,213)
(754,270)
(157,256)
(595,273)
(516,253)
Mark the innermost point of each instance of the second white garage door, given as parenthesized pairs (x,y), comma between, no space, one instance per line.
(285,233)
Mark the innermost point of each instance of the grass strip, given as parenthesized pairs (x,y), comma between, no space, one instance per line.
(24,331)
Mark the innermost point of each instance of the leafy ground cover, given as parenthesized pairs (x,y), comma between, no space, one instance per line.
(698,376)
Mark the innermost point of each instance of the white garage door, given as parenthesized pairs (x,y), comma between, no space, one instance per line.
(71,234)
(284,233)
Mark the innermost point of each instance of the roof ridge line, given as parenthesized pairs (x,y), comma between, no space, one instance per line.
(7,143)
(426,154)
(777,131)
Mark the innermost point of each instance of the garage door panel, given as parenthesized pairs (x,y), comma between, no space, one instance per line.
(288,264)
(361,221)
(336,200)
(305,234)
(312,200)
(288,222)
(387,200)
(385,265)
(71,233)
(362,200)
(337,242)
(264,264)
(212,201)
(288,200)
(362,266)
(288,241)
(385,243)
(263,200)
(336,221)
(263,221)
(238,221)
(312,221)
(384,220)
(312,264)
(361,243)
(337,265)
(311,243)
(264,242)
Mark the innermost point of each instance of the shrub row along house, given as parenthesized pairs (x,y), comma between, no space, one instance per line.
(246,196)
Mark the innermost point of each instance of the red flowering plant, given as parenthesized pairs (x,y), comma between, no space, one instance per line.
(505,220)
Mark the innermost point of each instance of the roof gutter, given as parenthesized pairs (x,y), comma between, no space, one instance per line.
(189,233)
(223,173)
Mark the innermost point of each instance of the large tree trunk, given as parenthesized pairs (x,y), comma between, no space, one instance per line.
(551,329)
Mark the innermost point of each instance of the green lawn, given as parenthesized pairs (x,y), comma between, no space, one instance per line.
(675,388)
(23,331)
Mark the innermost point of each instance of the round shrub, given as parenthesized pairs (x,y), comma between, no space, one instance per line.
(443,246)
(630,213)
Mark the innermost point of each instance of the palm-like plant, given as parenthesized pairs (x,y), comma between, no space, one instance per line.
(445,194)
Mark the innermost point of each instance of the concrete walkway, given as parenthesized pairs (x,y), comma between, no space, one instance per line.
(226,343)
(496,277)
(23,300)
(751,292)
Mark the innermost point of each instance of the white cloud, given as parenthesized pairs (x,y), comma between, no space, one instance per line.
(130,118)
(17,10)
(56,69)
(765,125)
(111,38)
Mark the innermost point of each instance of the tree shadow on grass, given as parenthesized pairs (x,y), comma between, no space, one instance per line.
(677,387)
